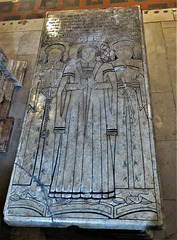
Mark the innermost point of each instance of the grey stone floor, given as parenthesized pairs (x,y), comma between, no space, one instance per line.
(20,40)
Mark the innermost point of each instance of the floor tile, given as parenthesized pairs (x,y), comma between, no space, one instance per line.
(156,55)
(170,213)
(170,227)
(154,37)
(21,25)
(173,75)
(166,161)
(169,24)
(29,43)
(9,42)
(174,13)
(27,233)
(170,36)
(171,56)
(164,116)
(159,235)
(158,15)
(159,75)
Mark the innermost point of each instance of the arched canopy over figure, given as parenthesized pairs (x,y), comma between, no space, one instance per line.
(86,117)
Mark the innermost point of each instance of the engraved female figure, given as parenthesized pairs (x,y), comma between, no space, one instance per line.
(133,155)
(85,121)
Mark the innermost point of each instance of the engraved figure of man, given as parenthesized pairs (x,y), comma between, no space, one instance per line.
(50,73)
(51,78)
(85,120)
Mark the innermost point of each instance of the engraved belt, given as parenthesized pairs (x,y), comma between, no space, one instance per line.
(76,86)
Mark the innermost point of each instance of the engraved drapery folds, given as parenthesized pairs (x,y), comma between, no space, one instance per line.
(86,120)
(133,152)
(96,124)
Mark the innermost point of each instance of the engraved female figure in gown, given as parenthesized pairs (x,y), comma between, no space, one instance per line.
(85,121)
(133,154)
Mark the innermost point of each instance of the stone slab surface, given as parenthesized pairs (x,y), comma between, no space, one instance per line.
(86,155)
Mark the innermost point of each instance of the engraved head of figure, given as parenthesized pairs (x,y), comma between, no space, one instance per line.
(88,52)
(55,52)
(124,49)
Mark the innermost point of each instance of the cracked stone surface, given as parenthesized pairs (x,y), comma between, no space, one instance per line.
(86,155)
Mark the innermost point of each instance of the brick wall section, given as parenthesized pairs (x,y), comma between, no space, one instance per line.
(29,9)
